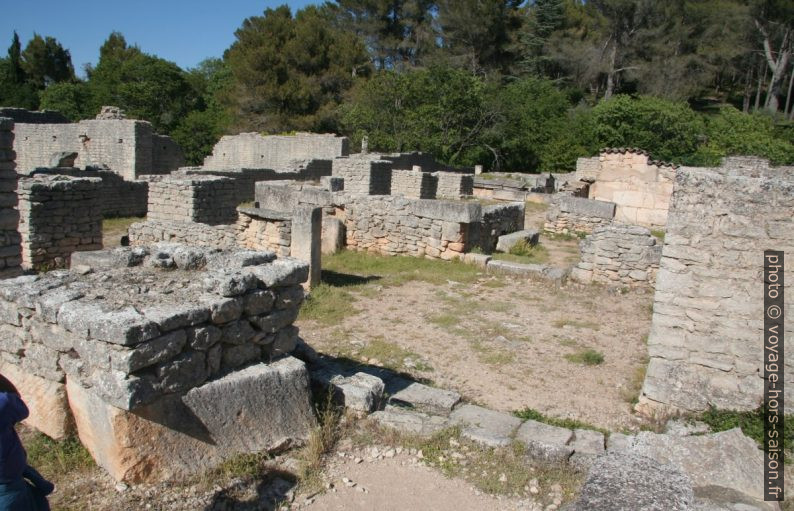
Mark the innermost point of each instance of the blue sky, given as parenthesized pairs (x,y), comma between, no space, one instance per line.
(182,31)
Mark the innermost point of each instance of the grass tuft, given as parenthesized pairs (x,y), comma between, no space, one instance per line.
(53,458)
(588,357)
(532,414)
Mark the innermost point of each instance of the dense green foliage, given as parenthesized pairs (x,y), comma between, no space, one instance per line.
(525,86)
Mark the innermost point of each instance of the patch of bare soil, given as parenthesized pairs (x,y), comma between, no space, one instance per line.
(505,343)
(402,482)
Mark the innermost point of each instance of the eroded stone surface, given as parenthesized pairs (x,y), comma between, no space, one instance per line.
(488,427)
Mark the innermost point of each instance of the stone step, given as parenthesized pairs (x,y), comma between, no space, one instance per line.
(425,398)
(484,426)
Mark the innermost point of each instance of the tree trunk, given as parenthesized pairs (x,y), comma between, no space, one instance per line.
(748,90)
(761,81)
(777,66)
(613,55)
(788,95)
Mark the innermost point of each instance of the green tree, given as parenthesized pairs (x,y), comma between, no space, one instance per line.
(14,88)
(45,62)
(290,72)
(541,19)
(397,33)
(479,35)
(439,110)
(145,86)
(72,99)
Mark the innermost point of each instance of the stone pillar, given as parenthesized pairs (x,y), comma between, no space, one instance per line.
(58,215)
(478,170)
(306,245)
(10,251)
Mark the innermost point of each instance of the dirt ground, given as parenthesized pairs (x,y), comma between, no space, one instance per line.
(502,343)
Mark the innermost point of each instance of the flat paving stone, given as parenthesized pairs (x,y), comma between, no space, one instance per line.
(484,426)
(545,442)
(426,399)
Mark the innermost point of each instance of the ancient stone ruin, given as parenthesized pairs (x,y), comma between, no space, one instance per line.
(128,147)
(164,342)
(706,337)
(10,249)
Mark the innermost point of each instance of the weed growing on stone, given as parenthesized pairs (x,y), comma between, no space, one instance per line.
(658,233)
(532,414)
(752,425)
(588,357)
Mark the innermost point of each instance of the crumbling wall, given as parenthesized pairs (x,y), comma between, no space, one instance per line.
(295,170)
(58,215)
(413,184)
(498,220)
(587,169)
(24,116)
(10,250)
(639,187)
(124,146)
(261,229)
(364,174)
(619,255)
(119,198)
(568,214)
(167,155)
(706,340)
(157,346)
(204,199)
(255,151)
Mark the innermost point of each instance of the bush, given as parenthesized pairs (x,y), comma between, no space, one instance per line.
(669,130)
(732,132)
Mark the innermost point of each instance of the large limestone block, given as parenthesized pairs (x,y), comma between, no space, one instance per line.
(46,400)
(262,407)
(627,482)
(728,461)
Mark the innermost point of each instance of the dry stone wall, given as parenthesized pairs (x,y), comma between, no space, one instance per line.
(364,174)
(413,184)
(205,199)
(127,147)
(119,198)
(255,151)
(58,215)
(145,338)
(619,255)
(452,185)
(568,214)
(10,249)
(706,340)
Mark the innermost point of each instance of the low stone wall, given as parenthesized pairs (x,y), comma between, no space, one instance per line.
(452,185)
(498,220)
(413,184)
(119,198)
(10,249)
(246,179)
(286,234)
(364,174)
(206,199)
(58,215)
(568,214)
(706,340)
(256,151)
(156,346)
(620,255)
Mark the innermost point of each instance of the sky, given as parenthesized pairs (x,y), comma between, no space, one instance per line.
(182,31)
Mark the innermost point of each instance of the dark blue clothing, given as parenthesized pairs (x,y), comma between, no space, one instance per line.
(21,487)
(13,459)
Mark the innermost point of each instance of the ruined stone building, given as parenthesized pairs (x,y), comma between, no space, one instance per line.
(128,147)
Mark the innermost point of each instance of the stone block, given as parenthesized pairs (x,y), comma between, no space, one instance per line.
(45,399)
(306,244)
(506,242)
(484,426)
(410,422)
(426,399)
(545,442)
(257,409)
(630,482)
(360,392)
